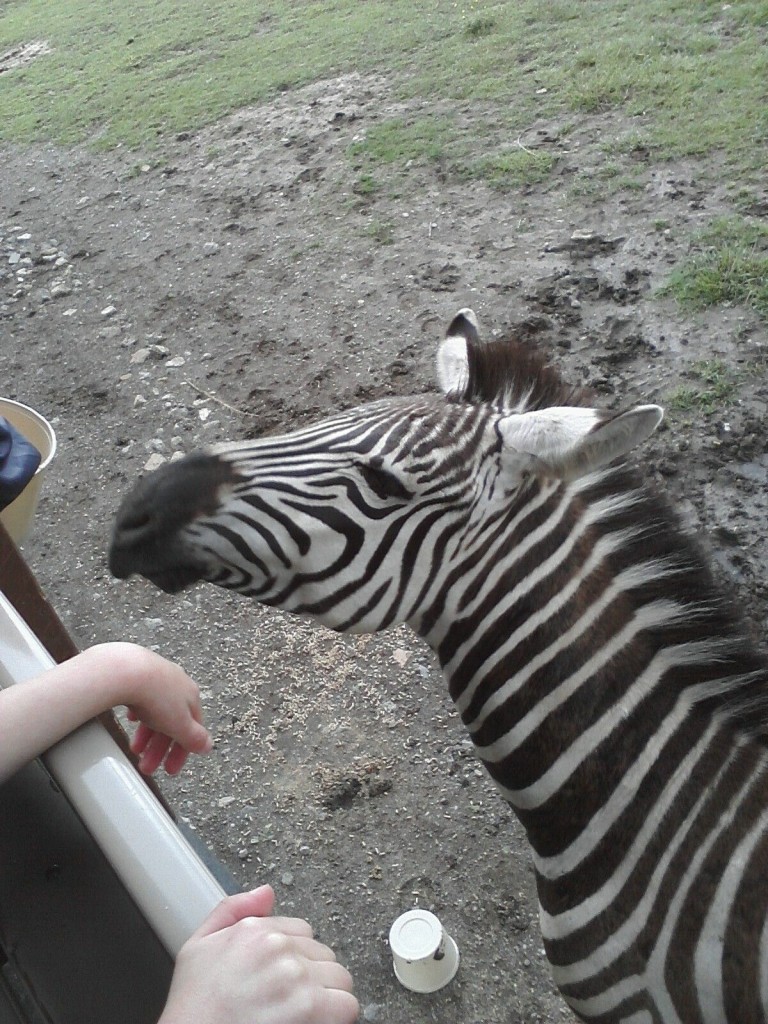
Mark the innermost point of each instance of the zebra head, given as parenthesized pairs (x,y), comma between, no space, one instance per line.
(359,520)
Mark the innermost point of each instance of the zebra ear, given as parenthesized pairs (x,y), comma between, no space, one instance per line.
(452,360)
(570,442)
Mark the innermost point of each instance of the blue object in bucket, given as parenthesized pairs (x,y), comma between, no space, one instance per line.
(18,462)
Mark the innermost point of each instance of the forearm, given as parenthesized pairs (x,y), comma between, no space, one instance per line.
(36,714)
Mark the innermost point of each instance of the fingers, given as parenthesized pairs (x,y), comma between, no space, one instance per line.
(305,946)
(326,972)
(271,967)
(153,747)
(200,740)
(338,1006)
(259,902)
(296,927)
(142,735)
(153,752)
(175,758)
(256,903)
(303,969)
(178,753)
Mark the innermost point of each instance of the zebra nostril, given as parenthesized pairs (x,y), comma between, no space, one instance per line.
(135,522)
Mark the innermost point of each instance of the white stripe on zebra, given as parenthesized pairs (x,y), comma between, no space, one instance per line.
(763,961)
(542,571)
(589,740)
(667,612)
(602,550)
(561,925)
(520,551)
(709,949)
(620,940)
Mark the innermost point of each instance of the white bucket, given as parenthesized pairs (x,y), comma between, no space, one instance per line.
(17,517)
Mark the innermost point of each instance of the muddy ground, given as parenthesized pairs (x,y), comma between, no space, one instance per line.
(239,281)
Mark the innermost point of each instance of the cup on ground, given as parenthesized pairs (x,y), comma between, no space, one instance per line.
(425,957)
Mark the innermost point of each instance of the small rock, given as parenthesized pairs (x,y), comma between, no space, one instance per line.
(287,878)
(225,801)
(14,258)
(114,331)
(154,461)
(210,248)
(372,1012)
(109,311)
(176,361)
(59,290)
(140,355)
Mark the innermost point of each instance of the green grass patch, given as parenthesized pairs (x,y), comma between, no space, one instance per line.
(729,265)
(130,73)
(598,181)
(479,26)
(714,385)
(511,168)
(400,139)
(366,186)
(381,231)
(689,78)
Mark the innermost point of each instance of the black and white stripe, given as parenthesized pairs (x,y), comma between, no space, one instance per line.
(610,692)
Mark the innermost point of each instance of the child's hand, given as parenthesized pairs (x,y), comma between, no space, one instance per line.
(158,694)
(155,748)
(162,698)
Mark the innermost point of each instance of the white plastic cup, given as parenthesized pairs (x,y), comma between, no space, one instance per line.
(425,956)
(17,517)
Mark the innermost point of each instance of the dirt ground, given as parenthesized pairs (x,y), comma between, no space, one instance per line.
(240,281)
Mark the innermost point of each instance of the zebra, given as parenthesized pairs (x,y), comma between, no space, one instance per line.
(614,697)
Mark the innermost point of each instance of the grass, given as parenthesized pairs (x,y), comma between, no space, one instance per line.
(404,138)
(688,79)
(715,385)
(128,73)
(381,231)
(729,265)
(510,168)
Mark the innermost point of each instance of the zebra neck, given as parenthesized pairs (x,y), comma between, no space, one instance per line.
(580,671)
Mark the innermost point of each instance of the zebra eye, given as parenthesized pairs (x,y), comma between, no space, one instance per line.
(384,484)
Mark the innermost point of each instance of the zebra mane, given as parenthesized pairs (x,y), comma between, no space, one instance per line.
(513,375)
